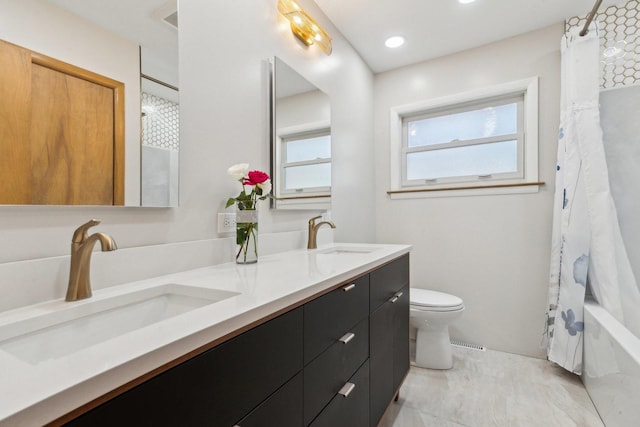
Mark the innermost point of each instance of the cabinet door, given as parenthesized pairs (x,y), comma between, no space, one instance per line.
(400,338)
(389,351)
(381,360)
(216,388)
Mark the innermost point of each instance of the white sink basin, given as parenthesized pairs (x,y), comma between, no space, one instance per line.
(82,324)
(347,250)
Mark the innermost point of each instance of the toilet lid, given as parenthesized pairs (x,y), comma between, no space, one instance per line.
(433,299)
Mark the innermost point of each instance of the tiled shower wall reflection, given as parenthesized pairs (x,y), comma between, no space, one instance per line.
(619,43)
(160,148)
(160,123)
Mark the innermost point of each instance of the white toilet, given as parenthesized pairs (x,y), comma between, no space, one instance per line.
(431,313)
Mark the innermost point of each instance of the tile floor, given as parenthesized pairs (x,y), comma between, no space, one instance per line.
(492,388)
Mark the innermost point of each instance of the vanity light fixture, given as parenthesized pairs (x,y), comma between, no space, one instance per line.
(304,27)
(466,1)
(394,42)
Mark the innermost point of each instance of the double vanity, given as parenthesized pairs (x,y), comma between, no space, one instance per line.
(302,338)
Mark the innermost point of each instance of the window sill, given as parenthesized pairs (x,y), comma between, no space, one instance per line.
(317,202)
(471,190)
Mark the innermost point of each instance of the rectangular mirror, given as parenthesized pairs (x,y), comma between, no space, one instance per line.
(300,141)
(119,40)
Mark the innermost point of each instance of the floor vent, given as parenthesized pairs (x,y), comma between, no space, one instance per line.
(469,346)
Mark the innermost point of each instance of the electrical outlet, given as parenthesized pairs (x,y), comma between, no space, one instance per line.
(226,222)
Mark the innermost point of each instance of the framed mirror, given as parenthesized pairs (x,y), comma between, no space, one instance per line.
(300,141)
(120,40)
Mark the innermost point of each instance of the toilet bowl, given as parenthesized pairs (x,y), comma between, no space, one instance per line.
(431,313)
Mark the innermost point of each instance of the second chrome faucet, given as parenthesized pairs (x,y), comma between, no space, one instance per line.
(313,231)
(81,249)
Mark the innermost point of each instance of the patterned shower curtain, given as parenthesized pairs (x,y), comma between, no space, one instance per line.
(586,240)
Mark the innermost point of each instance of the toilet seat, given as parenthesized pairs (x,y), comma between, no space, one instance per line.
(427,300)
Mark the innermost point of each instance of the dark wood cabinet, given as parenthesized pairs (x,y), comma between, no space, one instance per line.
(336,361)
(389,332)
(216,388)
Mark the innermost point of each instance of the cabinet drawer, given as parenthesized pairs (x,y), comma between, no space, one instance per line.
(388,280)
(330,316)
(215,388)
(351,410)
(326,374)
(282,409)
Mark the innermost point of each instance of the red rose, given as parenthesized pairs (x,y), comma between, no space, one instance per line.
(256,177)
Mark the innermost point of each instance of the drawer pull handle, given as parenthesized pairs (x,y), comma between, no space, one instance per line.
(395,297)
(348,288)
(347,337)
(347,389)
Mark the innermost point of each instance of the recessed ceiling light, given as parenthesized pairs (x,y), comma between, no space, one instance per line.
(466,1)
(395,41)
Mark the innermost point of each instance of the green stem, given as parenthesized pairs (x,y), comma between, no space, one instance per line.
(255,241)
(244,246)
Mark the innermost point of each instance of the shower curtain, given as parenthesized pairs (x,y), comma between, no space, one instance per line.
(587,248)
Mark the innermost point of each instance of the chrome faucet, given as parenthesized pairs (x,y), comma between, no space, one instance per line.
(81,249)
(313,231)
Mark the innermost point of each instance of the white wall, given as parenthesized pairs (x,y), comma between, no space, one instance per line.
(223,106)
(303,109)
(223,91)
(47,29)
(492,251)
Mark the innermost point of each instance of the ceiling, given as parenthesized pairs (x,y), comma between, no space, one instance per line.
(434,28)
(140,21)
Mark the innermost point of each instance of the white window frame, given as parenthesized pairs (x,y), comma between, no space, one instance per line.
(312,198)
(459,186)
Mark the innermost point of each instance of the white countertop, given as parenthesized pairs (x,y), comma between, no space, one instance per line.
(36,393)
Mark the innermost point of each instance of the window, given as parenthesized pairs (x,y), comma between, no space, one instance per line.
(464,143)
(306,163)
(479,139)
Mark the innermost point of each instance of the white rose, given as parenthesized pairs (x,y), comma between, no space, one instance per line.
(239,171)
(265,187)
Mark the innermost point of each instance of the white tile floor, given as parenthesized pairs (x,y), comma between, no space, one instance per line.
(492,389)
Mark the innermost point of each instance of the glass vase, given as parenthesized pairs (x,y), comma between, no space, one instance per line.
(246,236)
